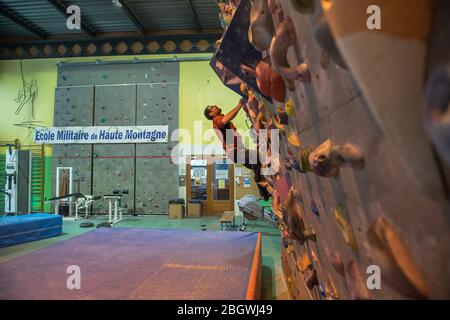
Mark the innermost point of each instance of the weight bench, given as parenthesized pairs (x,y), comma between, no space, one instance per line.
(227,220)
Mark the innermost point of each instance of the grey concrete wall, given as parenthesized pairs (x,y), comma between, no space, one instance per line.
(125,94)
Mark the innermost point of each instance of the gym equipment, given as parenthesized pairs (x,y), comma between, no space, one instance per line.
(28,227)
(117,209)
(22,179)
(11,167)
(85,201)
(103,225)
(64,181)
(227,220)
(17,185)
(82,201)
(115,198)
(252,211)
(225,265)
(87,225)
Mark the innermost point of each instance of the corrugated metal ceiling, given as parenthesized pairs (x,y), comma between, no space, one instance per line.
(104,17)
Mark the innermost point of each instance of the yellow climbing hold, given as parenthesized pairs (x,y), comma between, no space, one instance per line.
(293,139)
(290,248)
(304,263)
(289,107)
(345,226)
(330,289)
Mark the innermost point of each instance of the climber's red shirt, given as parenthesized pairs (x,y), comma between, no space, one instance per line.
(221,130)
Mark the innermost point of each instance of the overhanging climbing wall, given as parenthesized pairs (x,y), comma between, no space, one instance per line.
(346,209)
(157,176)
(113,168)
(359,191)
(122,94)
(74,107)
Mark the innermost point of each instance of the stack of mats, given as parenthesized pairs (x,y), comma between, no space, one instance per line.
(29,227)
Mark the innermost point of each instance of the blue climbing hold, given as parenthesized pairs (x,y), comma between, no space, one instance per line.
(322,291)
(314,208)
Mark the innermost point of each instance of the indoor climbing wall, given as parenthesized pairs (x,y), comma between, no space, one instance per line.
(113,165)
(157,105)
(74,107)
(358,187)
(122,94)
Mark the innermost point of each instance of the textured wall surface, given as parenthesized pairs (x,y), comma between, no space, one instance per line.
(333,107)
(113,168)
(158,176)
(335,228)
(74,107)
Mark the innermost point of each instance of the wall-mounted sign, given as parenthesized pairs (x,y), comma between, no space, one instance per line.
(222,174)
(198,162)
(247,182)
(120,134)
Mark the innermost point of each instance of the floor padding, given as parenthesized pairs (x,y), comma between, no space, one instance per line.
(131,263)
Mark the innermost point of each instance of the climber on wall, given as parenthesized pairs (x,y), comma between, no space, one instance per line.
(222,124)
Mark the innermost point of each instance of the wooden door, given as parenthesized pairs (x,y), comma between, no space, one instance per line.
(212,181)
(221,182)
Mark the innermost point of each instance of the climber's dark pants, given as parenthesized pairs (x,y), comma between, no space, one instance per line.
(255,167)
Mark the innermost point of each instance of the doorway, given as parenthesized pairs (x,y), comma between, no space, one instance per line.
(211,180)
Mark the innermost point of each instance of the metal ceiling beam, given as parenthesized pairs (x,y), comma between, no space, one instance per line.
(127,11)
(63,10)
(194,14)
(11,15)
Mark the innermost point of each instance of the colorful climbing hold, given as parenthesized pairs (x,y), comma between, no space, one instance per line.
(304,263)
(314,208)
(289,107)
(310,234)
(293,138)
(290,248)
(330,289)
(399,268)
(346,228)
(312,280)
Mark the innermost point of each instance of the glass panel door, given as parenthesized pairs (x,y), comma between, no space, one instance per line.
(221,181)
(199,182)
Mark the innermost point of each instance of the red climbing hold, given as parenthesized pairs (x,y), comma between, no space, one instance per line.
(269,82)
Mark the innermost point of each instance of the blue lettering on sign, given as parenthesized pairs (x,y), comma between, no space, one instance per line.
(68,135)
(44,136)
(145,135)
(105,135)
